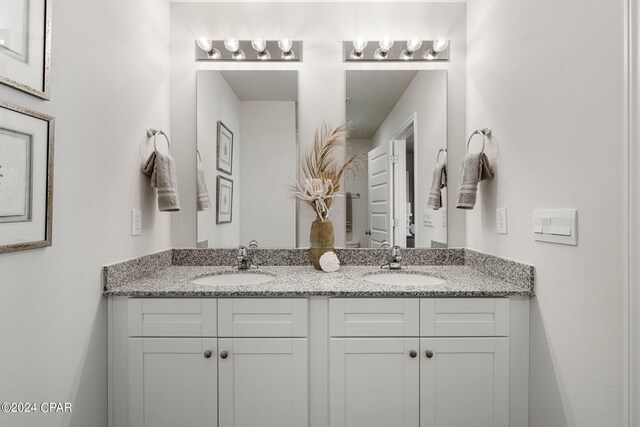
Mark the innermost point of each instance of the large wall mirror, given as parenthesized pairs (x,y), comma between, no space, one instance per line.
(399,125)
(247,155)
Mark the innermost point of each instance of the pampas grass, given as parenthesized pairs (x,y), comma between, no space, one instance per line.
(322,169)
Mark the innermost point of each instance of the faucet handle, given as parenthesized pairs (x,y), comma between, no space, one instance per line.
(384,244)
(253,244)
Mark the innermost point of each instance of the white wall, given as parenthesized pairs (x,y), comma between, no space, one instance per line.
(110,81)
(217,101)
(359,184)
(548,77)
(426,96)
(268,152)
(321,78)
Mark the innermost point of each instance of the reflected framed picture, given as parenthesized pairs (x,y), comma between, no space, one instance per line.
(25,45)
(26,178)
(225,149)
(224,200)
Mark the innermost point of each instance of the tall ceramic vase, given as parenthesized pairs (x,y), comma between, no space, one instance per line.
(321,240)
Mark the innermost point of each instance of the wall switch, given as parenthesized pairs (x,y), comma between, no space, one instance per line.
(136,222)
(556,226)
(427,218)
(501,220)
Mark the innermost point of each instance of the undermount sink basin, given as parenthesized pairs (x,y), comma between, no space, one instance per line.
(234,279)
(403,279)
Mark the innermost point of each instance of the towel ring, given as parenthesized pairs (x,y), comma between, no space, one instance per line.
(155,146)
(484,132)
(444,152)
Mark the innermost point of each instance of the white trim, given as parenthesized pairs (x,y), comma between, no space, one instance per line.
(631,306)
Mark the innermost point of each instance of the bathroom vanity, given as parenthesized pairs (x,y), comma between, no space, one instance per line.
(317,349)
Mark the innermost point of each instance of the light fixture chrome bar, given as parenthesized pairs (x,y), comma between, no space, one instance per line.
(276,54)
(397,53)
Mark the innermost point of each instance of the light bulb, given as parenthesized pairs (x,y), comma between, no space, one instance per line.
(386,43)
(440,44)
(259,44)
(232,45)
(205,44)
(413,44)
(285,45)
(359,44)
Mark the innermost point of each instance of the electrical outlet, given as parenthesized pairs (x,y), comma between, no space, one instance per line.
(136,222)
(501,220)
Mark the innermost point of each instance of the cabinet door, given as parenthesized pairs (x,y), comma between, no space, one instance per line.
(374,382)
(464,382)
(172,382)
(263,382)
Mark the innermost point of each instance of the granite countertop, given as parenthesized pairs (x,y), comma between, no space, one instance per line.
(300,281)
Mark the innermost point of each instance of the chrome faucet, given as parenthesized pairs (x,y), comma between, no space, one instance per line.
(394,262)
(244,262)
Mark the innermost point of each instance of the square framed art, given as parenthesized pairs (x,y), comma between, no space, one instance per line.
(26,178)
(224,200)
(224,149)
(25,45)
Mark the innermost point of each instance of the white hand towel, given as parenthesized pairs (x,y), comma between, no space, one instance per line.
(439,182)
(475,168)
(162,170)
(204,202)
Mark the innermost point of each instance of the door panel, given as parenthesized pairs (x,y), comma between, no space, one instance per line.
(465,382)
(380,201)
(374,382)
(263,382)
(172,383)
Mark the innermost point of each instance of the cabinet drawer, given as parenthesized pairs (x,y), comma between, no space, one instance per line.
(172,317)
(263,317)
(464,317)
(373,317)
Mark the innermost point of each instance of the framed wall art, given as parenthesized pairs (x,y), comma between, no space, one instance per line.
(224,149)
(26,178)
(25,45)
(224,200)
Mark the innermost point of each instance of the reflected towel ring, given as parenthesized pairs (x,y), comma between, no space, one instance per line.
(484,132)
(444,152)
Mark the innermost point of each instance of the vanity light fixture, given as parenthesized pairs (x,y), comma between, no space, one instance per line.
(207,46)
(438,45)
(233,46)
(383,50)
(359,44)
(233,49)
(260,45)
(286,46)
(413,50)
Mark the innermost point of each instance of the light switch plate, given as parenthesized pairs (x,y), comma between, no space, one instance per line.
(501,220)
(556,226)
(136,222)
(427,218)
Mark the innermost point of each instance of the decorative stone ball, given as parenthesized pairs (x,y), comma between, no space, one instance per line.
(329,262)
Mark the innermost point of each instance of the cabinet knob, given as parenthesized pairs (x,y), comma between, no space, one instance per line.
(413,354)
(207,354)
(224,355)
(429,354)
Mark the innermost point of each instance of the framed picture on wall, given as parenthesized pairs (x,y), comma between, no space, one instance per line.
(225,149)
(224,200)
(26,178)
(25,45)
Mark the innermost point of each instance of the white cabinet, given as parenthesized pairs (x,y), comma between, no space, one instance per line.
(172,382)
(464,382)
(263,382)
(374,382)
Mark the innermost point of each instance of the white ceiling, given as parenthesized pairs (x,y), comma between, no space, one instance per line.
(373,95)
(263,85)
